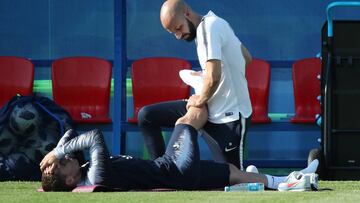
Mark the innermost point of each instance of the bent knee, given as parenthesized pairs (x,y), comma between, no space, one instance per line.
(143,115)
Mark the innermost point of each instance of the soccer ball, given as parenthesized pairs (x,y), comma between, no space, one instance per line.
(35,148)
(24,120)
(8,141)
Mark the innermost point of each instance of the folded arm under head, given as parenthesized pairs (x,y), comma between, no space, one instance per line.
(59,168)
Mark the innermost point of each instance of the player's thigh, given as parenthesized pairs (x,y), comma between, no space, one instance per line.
(164,113)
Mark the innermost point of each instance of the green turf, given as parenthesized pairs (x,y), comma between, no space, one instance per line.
(25,192)
(44,87)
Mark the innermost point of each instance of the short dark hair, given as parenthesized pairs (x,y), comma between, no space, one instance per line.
(54,182)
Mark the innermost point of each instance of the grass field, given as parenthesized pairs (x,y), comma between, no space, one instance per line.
(26,192)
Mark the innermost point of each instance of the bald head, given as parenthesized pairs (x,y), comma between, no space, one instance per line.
(171,11)
(178,18)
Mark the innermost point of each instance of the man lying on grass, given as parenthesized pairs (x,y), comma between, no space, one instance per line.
(179,168)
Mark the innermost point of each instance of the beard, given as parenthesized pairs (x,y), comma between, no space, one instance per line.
(189,37)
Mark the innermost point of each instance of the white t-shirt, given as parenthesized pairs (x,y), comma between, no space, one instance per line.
(215,39)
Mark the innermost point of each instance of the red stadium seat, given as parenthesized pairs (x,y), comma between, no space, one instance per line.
(16,77)
(306,89)
(81,85)
(258,78)
(156,80)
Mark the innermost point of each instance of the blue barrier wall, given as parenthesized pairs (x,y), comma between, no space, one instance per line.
(273,30)
(48,29)
(278,31)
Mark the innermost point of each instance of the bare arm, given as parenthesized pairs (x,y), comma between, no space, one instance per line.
(211,82)
(196,117)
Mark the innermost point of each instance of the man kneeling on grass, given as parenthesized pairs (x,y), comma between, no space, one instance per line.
(179,168)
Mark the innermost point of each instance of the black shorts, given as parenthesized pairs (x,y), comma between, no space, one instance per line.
(226,141)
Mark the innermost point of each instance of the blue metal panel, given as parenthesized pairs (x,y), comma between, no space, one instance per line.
(119,73)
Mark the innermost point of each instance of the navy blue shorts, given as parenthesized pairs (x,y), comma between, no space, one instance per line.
(134,173)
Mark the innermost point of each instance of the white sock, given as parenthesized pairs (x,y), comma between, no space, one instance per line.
(274,181)
(311,167)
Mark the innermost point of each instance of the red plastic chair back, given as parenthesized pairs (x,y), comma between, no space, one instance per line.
(16,77)
(306,89)
(258,78)
(156,80)
(81,85)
